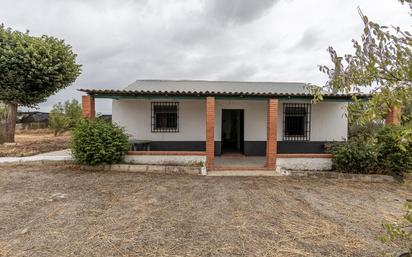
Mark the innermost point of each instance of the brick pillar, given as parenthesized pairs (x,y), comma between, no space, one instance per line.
(394,116)
(272,127)
(88,107)
(210,132)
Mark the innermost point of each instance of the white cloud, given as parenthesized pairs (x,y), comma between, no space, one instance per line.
(119,41)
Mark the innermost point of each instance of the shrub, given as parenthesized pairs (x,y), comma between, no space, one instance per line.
(98,142)
(357,155)
(64,117)
(367,130)
(388,151)
(394,149)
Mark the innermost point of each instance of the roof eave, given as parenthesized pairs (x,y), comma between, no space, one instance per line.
(131,94)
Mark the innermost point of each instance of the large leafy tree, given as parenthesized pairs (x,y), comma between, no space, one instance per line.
(381,61)
(31,69)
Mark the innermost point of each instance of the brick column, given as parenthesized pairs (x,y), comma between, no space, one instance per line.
(210,132)
(88,107)
(272,127)
(394,116)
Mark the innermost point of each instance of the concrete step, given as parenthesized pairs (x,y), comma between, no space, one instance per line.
(244,173)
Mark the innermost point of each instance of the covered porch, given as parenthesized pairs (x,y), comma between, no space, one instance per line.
(203,138)
(257,123)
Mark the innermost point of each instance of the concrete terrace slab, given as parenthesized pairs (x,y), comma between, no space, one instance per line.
(240,161)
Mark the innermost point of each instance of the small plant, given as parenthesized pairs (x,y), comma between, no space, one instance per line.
(401,231)
(98,142)
(64,117)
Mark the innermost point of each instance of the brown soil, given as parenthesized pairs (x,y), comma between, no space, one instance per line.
(61,211)
(35,142)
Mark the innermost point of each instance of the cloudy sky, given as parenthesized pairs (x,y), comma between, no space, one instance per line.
(119,41)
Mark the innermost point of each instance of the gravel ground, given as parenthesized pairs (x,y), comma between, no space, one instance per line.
(61,211)
(32,142)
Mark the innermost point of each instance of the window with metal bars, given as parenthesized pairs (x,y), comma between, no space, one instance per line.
(165,117)
(296,122)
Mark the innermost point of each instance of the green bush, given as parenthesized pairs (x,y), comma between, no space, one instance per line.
(98,142)
(394,149)
(388,151)
(367,130)
(357,155)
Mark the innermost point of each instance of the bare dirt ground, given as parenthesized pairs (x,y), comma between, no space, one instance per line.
(32,142)
(61,211)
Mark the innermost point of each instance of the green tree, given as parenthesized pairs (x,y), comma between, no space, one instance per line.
(64,117)
(58,121)
(31,69)
(382,60)
(73,111)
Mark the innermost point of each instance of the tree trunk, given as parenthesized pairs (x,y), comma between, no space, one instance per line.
(8,124)
(2,129)
(394,116)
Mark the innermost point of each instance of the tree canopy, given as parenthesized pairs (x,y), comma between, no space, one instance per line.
(382,61)
(33,68)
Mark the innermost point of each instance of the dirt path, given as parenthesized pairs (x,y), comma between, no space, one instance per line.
(58,211)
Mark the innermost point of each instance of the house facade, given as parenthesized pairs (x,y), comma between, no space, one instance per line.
(219,118)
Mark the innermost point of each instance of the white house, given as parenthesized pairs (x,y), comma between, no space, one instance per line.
(220,118)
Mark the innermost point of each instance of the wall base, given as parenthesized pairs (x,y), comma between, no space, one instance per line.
(304,163)
(183,160)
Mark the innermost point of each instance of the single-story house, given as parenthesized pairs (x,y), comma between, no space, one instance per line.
(275,120)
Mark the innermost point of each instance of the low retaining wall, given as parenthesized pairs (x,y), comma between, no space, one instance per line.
(304,163)
(162,169)
(179,160)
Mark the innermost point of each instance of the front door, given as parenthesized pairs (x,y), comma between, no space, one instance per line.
(232,131)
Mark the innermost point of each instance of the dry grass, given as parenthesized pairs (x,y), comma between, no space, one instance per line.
(60,211)
(31,142)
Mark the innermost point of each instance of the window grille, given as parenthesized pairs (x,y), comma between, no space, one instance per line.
(296,122)
(165,117)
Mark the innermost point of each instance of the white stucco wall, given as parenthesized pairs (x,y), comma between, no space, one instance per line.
(328,120)
(135,116)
